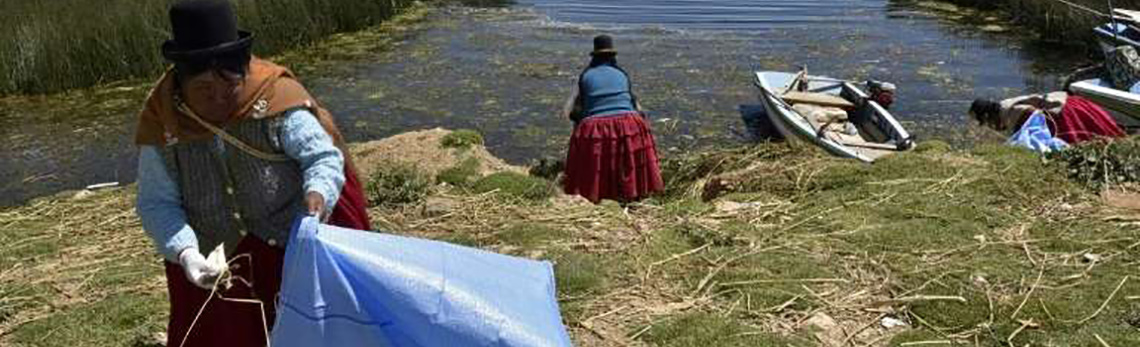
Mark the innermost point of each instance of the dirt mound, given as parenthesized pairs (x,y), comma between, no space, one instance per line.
(425,150)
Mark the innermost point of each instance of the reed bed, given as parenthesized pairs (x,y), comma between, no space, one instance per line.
(1064,21)
(49,46)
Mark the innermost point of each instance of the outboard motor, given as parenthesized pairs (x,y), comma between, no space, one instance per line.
(882,92)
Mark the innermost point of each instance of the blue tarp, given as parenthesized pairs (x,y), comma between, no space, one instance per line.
(345,287)
(1035,135)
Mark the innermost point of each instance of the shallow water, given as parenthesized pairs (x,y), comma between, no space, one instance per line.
(506,73)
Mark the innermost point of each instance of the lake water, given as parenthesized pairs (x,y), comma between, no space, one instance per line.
(507,72)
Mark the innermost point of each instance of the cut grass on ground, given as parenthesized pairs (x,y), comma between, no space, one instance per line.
(754,245)
(769,245)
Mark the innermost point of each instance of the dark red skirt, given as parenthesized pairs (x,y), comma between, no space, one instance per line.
(229,323)
(612,157)
(350,211)
(1082,120)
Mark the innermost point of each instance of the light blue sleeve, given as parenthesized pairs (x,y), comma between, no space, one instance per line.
(304,140)
(159,206)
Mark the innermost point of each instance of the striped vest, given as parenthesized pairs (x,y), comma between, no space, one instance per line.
(228,193)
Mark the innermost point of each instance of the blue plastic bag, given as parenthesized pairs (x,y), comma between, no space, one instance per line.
(343,287)
(1035,135)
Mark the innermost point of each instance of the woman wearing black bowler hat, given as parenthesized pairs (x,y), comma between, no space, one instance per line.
(232,149)
(612,152)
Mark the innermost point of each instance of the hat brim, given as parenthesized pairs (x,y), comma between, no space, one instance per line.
(604,51)
(172,52)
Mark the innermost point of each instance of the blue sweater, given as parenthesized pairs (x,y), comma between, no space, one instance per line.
(605,90)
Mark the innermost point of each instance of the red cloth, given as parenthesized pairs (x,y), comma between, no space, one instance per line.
(1082,120)
(350,211)
(227,323)
(612,157)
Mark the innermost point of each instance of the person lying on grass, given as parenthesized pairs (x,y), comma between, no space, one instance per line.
(1071,118)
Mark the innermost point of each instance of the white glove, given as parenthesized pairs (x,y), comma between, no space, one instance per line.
(201,271)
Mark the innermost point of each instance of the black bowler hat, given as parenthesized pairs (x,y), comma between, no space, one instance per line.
(204,30)
(603,44)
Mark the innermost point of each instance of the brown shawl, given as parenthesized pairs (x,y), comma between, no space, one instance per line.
(269,91)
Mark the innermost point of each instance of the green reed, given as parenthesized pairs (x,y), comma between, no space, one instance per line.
(1069,23)
(49,46)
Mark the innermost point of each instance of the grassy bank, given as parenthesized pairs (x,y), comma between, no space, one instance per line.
(759,246)
(1054,20)
(56,45)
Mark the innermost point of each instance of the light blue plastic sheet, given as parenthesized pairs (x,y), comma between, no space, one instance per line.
(343,287)
(1035,135)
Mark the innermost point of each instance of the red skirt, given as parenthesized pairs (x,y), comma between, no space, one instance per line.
(612,157)
(229,323)
(1082,120)
(350,211)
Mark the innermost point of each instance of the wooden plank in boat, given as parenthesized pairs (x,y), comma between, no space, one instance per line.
(857,144)
(819,99)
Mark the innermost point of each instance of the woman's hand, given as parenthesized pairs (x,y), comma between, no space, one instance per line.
(316,203)
(202,272)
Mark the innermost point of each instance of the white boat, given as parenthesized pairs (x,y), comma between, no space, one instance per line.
(1122,105)
(1122,31)
(1109,36)
(869,133)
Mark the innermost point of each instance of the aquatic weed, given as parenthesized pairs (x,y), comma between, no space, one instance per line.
(703,329)
(515,185)
(461,139)
(1102,164)
(461,174)
(397,184)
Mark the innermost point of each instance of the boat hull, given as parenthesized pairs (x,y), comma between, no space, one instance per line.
(793,125)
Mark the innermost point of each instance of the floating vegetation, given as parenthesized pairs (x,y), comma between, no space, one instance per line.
(1066,22)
